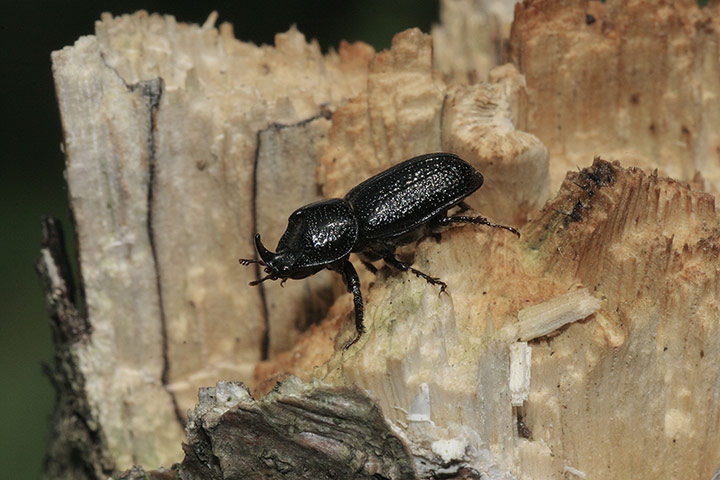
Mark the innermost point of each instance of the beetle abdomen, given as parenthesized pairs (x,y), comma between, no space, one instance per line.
(410,193)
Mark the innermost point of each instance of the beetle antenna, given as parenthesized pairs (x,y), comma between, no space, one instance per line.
(266,277)
(248,261)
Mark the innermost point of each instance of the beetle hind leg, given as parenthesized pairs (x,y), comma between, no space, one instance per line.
(475,220)
(395,263)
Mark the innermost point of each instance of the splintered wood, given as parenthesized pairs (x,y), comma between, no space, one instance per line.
(631,79)
(546,317)
(538,321)
(472,38)
(588,347)
(520,364)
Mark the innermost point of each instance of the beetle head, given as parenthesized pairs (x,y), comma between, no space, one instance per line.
(317,236)
(281,264)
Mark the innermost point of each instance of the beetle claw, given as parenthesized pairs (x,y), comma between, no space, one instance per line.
(510,229)
(358,334)
(351,342)
(266,277)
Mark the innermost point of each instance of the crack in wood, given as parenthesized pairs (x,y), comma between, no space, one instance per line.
(265,342)
(152,91)
(324,113)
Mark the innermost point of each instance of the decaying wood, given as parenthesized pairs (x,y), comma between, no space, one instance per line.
(74,431)
(589,347)
(636,372)
(296,431)
(629,79)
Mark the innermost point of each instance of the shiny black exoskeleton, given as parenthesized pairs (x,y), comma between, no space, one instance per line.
(393,208)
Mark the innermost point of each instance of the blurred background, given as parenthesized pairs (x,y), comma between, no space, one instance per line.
(31,170)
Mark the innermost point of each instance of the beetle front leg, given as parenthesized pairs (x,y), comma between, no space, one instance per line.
(353,285)
(403,267)
(476,220)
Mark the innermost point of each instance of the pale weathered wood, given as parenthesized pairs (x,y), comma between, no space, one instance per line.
(108,156)
(472,38)
(161,124)
(181,142)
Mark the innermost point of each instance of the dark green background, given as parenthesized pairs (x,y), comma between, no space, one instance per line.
(31,171)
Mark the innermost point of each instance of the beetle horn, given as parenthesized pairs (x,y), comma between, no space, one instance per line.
(265,254)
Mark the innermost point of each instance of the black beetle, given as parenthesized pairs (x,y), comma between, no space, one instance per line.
(393,208)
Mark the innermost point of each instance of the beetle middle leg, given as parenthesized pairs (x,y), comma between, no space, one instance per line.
(371,268)
(366,258)
(366,261)
(476,220)
(463,207)
(395,263)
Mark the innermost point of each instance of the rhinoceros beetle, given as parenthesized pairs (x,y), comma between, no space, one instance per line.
(395,207)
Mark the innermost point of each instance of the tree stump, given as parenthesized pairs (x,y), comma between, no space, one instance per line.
(589,348)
